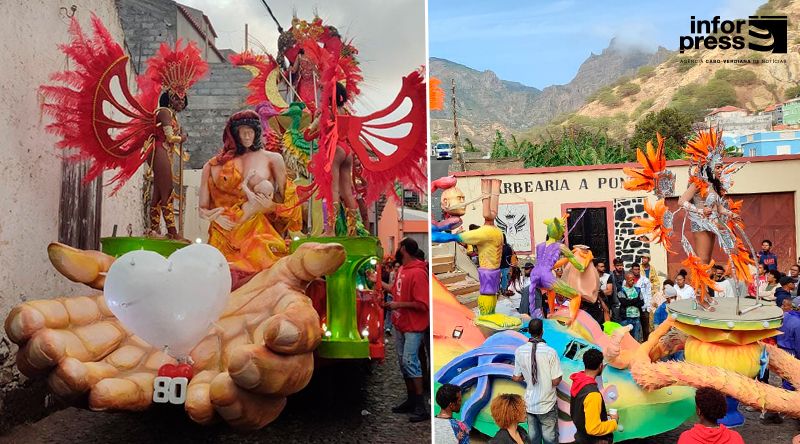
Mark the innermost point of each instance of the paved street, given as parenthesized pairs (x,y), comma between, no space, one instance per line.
(330,410)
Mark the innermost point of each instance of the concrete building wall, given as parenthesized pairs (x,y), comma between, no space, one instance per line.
(212,100)
(147,23)
(550,191)
(186,31)
(31,167)
(392,229)
(770,143)
(791,113)
(737,124)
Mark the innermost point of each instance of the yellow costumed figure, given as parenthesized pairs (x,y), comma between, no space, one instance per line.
(488,240)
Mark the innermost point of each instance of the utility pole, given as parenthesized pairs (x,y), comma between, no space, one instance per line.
(456,142)
(246,37)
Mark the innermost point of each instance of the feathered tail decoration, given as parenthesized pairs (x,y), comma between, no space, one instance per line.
(393,150)
(653,162)
(658,226)
(699,275)
(435,94)
(266,75)
(105,123)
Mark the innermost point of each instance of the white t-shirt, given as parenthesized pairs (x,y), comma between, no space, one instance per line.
(647,291)
(687,292)
(604,281)
(725,289)
(443,431)
(540,398)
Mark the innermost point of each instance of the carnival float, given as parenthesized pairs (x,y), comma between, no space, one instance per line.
(650,384)
(228,328)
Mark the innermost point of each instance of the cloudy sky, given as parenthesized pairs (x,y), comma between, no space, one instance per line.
(389,35)
(543,42)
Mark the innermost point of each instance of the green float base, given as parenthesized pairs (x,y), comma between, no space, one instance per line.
(333,349)
(117,246)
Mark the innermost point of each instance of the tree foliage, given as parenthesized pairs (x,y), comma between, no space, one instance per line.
(737,77)
(628,89)
(645,72)
(609,99)
(469,146)
(696,99)
(673,124)
(792,92)
(574,146)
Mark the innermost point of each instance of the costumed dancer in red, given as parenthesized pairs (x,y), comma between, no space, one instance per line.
(343,135)
(327,80)
(86,112)
(175,70)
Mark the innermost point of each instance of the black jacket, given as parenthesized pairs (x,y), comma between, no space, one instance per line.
(578,416)
(625,302)
(503,437)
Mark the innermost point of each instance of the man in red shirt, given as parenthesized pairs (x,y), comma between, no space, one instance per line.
(411,295)
(711,407)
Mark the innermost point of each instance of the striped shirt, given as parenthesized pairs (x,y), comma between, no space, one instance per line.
(540,398)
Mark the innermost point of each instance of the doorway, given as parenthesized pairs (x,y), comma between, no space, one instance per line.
(589,226)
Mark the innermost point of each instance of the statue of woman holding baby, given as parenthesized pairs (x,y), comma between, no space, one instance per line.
(247,198)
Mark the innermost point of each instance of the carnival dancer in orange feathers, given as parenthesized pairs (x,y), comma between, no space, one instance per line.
(712,216)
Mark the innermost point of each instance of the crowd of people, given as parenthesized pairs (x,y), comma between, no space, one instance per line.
(539,367)
(637,296)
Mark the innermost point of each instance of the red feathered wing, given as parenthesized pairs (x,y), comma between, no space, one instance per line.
(389,150)
(260,66)
(95,112)
(392,150)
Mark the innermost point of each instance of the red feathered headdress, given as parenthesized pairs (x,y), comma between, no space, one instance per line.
(177,69)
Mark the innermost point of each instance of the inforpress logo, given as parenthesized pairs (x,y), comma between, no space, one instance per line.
(760,33)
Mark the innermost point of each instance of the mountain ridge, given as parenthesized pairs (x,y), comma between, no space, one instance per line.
(487,103)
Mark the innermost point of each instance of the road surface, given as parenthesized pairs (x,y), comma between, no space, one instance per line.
(342,404)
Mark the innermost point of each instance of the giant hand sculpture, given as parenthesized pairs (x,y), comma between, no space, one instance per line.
(260,351)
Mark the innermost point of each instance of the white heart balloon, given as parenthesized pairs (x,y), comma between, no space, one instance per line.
(169,302)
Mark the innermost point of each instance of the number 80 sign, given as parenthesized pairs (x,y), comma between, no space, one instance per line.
(170,390)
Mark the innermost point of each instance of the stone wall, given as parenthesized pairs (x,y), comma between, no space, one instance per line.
(147,23)
(627,245)
(211,101)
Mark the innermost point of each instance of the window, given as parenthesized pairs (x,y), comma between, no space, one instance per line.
(751,152)
(410,198)
(575,350)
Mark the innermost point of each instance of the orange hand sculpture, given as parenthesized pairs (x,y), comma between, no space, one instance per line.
(259,352)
